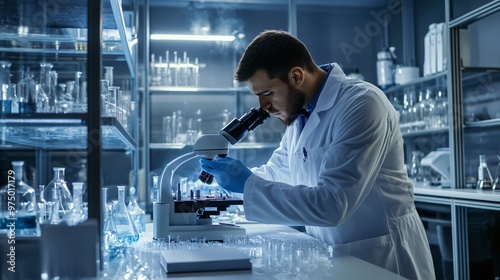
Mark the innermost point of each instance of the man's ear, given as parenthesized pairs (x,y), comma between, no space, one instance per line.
(296,76)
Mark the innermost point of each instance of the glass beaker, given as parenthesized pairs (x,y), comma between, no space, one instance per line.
(484,179)
(136,213)
(66,198)
(110,248)
(126,231)
(18,205)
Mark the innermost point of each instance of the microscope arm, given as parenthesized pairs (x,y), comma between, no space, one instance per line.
(167,176)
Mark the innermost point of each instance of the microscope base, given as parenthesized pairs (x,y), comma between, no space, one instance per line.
(213,232)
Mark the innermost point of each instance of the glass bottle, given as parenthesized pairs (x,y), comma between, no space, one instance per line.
(75,216)
(18,205)
(27,93)
(441,109)
(66,198)
(414,172)
(126,231)
(138,215)
(484,179)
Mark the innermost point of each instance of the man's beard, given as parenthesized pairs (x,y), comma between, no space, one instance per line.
(294,105)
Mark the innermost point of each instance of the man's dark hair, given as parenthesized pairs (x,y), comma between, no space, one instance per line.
(276,52)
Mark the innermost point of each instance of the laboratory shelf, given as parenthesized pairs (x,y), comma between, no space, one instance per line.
(419,81)
(171,89)
(238,146)
(71,40)
(476,14)
(425,132)
(467,196)
(483,124)
(60,131)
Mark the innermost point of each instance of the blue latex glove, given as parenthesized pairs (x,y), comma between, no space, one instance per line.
(231,174)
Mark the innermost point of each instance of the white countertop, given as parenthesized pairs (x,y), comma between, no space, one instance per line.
(336,266)
(468,194)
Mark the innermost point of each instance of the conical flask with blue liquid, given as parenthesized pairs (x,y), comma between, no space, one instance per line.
(18,206)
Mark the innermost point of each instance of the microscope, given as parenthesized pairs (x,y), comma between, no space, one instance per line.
(190,218)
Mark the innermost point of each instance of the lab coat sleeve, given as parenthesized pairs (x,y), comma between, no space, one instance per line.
(349,167)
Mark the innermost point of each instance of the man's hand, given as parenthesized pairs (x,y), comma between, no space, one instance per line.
(231,174)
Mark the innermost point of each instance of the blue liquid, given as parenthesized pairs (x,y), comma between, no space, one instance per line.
(24,225)
(27,107)
(119,245)
(6,106)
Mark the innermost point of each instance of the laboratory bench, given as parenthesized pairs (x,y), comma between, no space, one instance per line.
(424,192)
(317,260)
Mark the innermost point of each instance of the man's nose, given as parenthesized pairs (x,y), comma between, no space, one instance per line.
(266,105)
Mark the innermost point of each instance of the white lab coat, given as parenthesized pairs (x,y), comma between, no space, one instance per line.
(343,177)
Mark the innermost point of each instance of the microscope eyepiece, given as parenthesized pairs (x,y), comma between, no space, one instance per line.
(237,129)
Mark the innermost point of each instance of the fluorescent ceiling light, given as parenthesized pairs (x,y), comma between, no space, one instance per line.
(185,37)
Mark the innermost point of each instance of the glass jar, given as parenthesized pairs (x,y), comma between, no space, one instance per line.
(27,93)
(18,206)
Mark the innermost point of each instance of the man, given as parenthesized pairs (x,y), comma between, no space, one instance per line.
(339,169)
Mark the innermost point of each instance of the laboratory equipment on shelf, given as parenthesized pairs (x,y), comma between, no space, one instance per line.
(484,179)
(414,169)
(76,214)
(65,195)
(191,217)
(385,59)
(496,184)
(18,205)
(439,162)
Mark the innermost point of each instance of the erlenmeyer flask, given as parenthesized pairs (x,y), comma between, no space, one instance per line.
(126,231)
(484,180)
(138,215)
(18,205)
(66,198)
(110,248)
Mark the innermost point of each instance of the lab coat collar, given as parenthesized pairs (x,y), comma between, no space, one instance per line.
(326,100)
